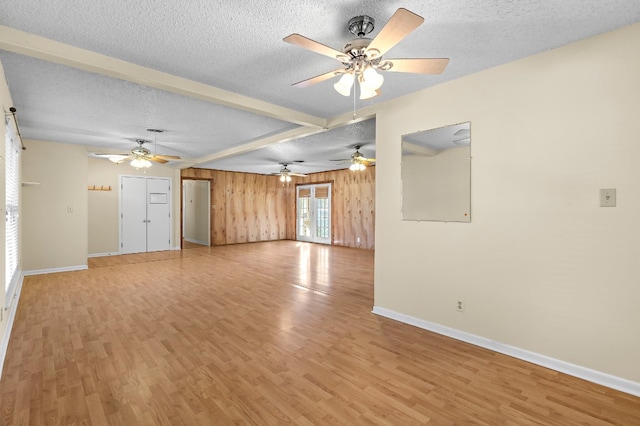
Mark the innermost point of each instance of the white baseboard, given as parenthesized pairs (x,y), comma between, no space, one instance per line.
(578,371)
(11,315)
(103,254)
(52,270)
(176,248)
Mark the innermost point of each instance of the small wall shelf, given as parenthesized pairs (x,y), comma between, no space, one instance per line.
(30,183)
(99,188)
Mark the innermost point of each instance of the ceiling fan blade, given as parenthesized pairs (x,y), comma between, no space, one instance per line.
(314,46)
(157,159)
(401,24)
(297,174)
(419,65)
(369,160)
(344,159)
(317,79)
(171,157)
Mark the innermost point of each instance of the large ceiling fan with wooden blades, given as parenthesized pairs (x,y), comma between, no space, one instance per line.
(358,161)
(140,156)
(285,173)
(362,57)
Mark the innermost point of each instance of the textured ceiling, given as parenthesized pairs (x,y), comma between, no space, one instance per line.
(69,95)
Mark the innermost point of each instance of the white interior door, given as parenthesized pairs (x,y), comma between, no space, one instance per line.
(158,214)
(313,213)
(145,214)
(133,215)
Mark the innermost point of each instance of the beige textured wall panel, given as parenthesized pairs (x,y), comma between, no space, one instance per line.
(541,266)
(54,213)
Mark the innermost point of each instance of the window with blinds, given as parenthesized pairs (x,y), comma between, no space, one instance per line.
(12,209)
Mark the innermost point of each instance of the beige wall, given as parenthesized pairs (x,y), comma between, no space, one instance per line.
(54,213)
(541,266)
(104,207)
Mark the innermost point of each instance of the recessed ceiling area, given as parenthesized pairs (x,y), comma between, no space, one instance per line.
(217,76)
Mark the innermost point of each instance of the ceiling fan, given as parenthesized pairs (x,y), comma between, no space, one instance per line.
(358,161)
(362,57)
(285,173)
(140,156)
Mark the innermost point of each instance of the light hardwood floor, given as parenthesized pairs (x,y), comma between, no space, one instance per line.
(263,333)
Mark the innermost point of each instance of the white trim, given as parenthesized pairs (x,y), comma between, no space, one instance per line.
(11,315)
(103,254)
(176,248)
(604,379)
(53,270)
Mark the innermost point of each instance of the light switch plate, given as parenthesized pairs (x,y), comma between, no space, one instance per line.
(607,197)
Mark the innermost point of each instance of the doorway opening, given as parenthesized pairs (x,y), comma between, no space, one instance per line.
(196,213)
(313,213)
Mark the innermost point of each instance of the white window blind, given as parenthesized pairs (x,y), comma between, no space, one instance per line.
(12,190)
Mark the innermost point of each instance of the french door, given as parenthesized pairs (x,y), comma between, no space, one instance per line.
(313,213)
(145,214)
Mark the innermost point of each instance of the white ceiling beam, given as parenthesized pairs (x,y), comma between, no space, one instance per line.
(49,50)
(352,117)
(296,133)
(335,122)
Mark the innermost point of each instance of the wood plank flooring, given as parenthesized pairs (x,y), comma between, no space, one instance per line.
(261,334)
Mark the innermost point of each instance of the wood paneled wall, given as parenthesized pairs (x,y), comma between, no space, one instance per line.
(249,207)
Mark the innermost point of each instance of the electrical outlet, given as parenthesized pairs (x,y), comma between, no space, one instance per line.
(460,306)
(358,240)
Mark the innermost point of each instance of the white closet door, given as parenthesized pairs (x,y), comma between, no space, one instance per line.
(145,214)
(158,215)
(133,215)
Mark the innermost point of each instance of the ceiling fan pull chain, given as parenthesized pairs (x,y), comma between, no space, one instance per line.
(354,101)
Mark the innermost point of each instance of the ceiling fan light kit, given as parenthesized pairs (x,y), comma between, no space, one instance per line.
(362,57)
(357,166)
(140,163)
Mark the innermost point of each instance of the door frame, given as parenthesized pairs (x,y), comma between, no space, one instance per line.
(211,208)
(183,201)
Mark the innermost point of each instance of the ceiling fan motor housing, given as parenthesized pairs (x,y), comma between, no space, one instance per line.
(140,150)
(362,25)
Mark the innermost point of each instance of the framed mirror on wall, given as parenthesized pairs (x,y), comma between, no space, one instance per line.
(436,174)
